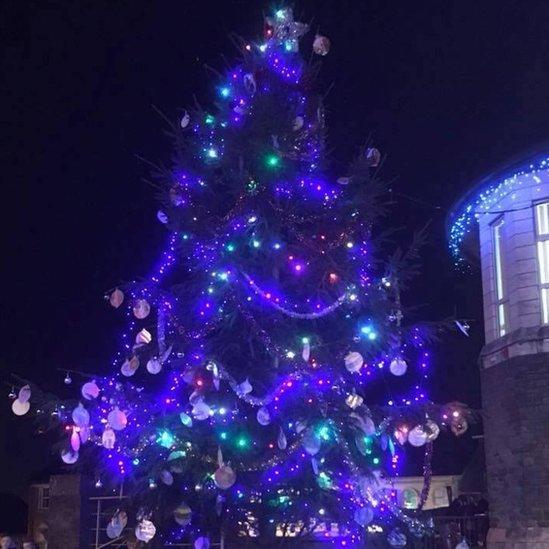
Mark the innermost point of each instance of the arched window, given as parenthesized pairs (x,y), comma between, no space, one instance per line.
(542,237)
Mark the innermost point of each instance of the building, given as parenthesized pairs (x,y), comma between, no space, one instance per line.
(506,218)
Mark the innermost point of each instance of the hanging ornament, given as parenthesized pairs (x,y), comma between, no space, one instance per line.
(283,28)
(306,353)
(186,419)
(398,366)
(224,477)
(364,515)
(298,123)
(90,390)
(108,438)
(459,426)
(245,387)
(300,426)
(432,430)
(354,362)
(81,416)
(182,514)
(417,436)
(463,327)
(84,433)
(162,217)
(145,531)
(166,477)
(353,400)
(363,444)
(321,45)
(373,156)
(343,180)
(69,457)
(143,337)
(396,538)
(117,524)
(201,411)
(282,441)
(75,440)
(11,394)
(202,543)
(263,416)
(154,365)
(20,408)
(116,298)
(401,434)
(212,367)
(141,309)
(68,379)
(250,83)
(185,119)
(176,195)
(117,419)
(130,366)
(24,393)
(311,442)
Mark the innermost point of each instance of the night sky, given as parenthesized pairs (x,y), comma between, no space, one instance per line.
(446,90)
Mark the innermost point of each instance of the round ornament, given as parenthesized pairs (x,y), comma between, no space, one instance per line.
(130,366)
(363,444)
(432,430)
(298,123)
(398,366)
(81,416)
(20,408)
(459,427)
(116,298)
(141,309)
(343,180)
(364,515)
(143,337)
(24,394)
(263,416)
(166,477)
(201,411)
(185,119)
(186,419)
(224,477)
(69,457)
(396,538)
(321,45)
(311,442)
(182,514)
(162,217)
(417,436)
(145,531)
(108,438)
(373,156)
(202,543)
(90,390)
(117,419)
(154,366)
(401,434)
(250,83)
(354,362)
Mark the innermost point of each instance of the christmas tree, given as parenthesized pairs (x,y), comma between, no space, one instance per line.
(269,380)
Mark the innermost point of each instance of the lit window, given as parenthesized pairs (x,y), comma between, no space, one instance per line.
(542,230)
(500,288)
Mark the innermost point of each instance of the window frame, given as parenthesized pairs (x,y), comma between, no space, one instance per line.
(500,296)
(542,255)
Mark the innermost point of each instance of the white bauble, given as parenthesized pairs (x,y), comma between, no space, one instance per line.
(298,123)
(90,390)
(311,442)
(354,361)
(182,514)
(364,515)
(185,119)
(166,477)
(81,416)
(432,430)
(224,477)
(20,408)
(263,416)
(154,366)
(201,411)
(145,531)
(202,543)
(117,419)
(24,394)
(130,366)
(417,436)
(108,438)
(69,457)
(398,366)
(143,337)
(141,309)
(116,298)
(245,387)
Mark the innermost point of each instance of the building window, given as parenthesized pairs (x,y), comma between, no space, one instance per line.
(542,233)
(501,305)
(44,497)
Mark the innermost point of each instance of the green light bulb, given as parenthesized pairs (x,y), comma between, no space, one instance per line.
(273,161)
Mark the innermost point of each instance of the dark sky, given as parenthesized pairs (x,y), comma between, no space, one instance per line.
(446,89)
